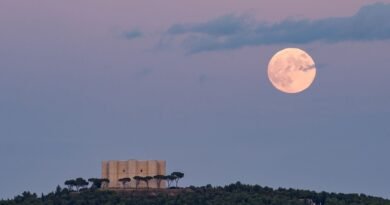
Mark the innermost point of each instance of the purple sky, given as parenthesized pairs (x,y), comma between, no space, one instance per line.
(185,81)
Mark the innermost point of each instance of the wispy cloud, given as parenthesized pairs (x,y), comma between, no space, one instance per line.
(144,72)
(224,25)
(133,34)
(202,78)
(371,22)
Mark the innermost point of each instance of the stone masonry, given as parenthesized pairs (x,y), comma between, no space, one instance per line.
(115,170)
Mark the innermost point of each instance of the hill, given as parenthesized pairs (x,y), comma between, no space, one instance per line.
(233,194)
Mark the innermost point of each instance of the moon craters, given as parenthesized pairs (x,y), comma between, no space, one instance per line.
(291,70)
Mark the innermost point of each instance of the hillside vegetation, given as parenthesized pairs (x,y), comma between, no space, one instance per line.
(234,194)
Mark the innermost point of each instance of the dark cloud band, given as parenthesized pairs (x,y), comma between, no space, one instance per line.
(231,32)
(133,34)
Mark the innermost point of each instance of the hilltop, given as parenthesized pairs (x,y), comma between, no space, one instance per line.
(233,194)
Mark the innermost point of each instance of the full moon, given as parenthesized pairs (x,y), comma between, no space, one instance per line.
(291,70)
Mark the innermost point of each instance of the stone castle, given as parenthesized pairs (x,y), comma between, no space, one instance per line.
(115,170)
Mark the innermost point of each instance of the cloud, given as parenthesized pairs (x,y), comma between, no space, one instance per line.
(130,35)
(371,22)
(225,25)
(143,73)
(202,78)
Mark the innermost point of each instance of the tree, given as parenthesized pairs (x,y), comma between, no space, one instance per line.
(80,183)
(158,179)
(96,183)
(124,181)
(169,179)
(178,176)
(146,180)
(58,190)
(70,183)
(236,193)
(137,181)
(105,183)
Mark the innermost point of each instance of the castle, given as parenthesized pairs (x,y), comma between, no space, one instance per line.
(115,170)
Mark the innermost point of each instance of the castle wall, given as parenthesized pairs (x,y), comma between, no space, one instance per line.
(152,171)
(162,165)
(132,171)
(113,173)
(122,169)
(115,170)
(105,169)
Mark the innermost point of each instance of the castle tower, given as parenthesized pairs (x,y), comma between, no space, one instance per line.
(115,170)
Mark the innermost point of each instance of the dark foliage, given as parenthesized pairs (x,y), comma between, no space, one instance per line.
(233,194)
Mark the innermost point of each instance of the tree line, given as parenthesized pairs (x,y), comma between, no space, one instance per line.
(233,194)
(79,184)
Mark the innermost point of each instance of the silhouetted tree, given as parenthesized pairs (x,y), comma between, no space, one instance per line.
(178,176)
(58,190)
(159,179)
(170,179)
(146,180)
(105,183)
(137,181)
(236,193)
(96,183)
(70,183)
(124,181)
(80,183)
